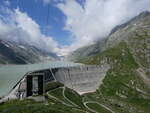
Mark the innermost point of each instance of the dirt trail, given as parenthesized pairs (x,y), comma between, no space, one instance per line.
(99,105)
(143,75)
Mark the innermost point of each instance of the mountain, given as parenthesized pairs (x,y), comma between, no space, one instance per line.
(14,53)
(87,51)
(135,32)
(126,86)
(142,20)
(137,18)
(137,36)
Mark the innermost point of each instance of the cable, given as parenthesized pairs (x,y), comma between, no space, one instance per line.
(53,74)
(47,19)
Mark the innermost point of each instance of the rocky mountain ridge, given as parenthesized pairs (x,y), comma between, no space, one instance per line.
(15,53)
(86,51)
(126,87)
(136,34)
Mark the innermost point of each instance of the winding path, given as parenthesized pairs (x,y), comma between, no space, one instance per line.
(63,93)
(75,105)
(89,108)
(99,105)
(58,99)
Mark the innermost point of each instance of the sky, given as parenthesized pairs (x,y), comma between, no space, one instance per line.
(62,26)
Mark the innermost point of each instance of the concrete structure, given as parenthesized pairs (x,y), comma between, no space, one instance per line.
(11,74)
(82,79)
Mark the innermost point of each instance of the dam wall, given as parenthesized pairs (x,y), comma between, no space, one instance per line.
(82,79)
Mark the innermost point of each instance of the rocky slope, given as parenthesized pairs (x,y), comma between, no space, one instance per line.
(86,51)
(14,53)
(126,87)
(136,33)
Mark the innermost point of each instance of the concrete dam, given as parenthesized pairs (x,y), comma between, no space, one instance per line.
(83,79)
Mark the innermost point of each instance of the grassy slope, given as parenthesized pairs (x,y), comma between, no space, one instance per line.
(119,88)
(74,97)
(29,106)
(97,108)
(58,93)
(52,105)
(52,85)
(118,91)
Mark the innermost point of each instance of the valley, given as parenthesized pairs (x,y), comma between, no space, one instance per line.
(125,85)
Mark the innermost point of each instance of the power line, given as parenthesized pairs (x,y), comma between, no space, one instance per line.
(47,19)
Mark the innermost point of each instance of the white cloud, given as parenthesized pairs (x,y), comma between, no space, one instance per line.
(23,29)
(54,1)
(96,18)
(87,23)
(46,1)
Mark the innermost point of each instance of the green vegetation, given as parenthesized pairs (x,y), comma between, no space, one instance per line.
(97,108)
(56,103)
(141,43)
(74,97)
(120,88)
(122,91)
(117,55)
(58,93)
(52,85)
(29,106)
(26,106)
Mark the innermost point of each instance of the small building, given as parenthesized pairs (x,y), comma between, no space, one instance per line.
(35,84)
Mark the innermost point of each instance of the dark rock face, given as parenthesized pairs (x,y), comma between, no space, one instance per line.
(9,54)
(14,53)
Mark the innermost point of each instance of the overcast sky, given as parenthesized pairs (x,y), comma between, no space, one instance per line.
(62,26)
